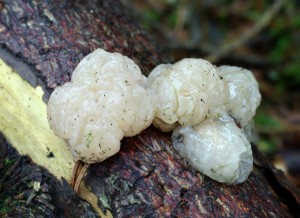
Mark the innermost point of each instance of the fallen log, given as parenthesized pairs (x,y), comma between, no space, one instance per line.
(43,42)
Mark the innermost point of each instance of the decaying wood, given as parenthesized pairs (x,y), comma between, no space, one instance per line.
(53,36)
(27,190)
(146,177)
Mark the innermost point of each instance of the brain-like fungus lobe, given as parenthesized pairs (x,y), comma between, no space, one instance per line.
(244,95)
(187,91)
(106,100)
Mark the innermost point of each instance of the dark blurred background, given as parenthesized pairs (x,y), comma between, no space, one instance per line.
(261,35)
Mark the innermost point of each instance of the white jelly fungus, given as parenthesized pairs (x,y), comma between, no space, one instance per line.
(217,148)
(186,91)
(244,95)
(250,133)
(106,100)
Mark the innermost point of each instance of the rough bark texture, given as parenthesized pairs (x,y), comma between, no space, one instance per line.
(53,36)
(19,198)
(146,177)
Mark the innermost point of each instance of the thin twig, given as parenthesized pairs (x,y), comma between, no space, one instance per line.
(244,38)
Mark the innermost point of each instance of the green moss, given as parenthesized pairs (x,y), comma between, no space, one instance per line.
(104,200)
(3,211)
(267,145)
(8,162)
(264,120)
(4,201)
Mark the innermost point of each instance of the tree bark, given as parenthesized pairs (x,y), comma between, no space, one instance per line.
(45,41)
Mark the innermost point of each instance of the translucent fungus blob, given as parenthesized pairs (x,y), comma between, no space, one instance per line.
(217,148)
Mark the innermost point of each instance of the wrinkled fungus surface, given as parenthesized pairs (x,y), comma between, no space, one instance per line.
(186,91)
(244,95)
(106,100)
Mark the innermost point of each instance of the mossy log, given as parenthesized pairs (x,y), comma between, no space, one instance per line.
(43,42)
